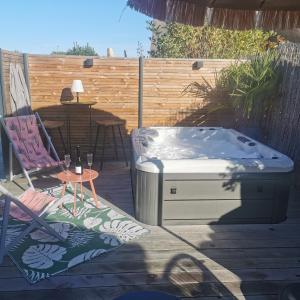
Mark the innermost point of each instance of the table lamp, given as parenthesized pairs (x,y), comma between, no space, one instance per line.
(77,88)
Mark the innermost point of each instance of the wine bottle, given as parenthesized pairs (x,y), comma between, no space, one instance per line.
(78,162)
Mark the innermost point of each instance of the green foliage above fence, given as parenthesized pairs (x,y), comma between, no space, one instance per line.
(85,50)
(250,87)
(183,41)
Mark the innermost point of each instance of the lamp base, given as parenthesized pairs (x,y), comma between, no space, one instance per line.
(77,97)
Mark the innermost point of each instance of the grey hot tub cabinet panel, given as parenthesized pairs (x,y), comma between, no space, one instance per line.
(147,196)
(165,199)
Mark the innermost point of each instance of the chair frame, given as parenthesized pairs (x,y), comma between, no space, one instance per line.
(12,149)
(36,223)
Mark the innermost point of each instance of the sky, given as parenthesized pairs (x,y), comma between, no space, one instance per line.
(43,26)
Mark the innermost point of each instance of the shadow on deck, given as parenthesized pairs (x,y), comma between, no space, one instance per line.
(205,262)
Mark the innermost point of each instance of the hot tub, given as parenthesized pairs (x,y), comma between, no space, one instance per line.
(206,175)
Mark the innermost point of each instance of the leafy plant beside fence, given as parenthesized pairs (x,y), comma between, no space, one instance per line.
(249,88)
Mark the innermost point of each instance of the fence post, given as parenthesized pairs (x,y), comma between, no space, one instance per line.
(26,72)
(2,92)
(140,99)
(3,137)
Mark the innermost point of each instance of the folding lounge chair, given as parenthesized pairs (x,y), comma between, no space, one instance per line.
(26,142)
(29,208)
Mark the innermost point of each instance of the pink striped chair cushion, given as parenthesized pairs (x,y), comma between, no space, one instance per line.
(24,133)
(33,200)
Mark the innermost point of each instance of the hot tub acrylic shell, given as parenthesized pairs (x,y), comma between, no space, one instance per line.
(209,191)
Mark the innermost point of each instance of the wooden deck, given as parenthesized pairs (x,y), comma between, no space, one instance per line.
(201,262)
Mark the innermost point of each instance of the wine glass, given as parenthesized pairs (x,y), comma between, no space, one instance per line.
(67,161)
(90,160)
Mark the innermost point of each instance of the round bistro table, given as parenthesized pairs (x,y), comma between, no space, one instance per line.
(70,177)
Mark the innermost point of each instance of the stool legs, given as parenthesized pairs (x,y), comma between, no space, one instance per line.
(115,142)
(105,128)
(123,146)
(103,147)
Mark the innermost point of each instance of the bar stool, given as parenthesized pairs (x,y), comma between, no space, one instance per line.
(105,124)
(51,125)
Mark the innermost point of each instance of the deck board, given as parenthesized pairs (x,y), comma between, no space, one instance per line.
(194,262)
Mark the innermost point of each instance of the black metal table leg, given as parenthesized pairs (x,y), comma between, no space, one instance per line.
(87,105)
(96,142)
(90,132)
(115,141)
(123,145)
(69,133)
(103,147)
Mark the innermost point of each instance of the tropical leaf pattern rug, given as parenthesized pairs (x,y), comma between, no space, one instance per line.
(92,232)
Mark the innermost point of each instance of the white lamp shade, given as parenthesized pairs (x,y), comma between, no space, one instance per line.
(77,86)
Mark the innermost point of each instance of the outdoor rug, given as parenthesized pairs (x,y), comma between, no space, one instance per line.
(92,232)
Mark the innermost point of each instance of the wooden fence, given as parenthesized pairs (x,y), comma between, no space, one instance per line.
(113,82)
(6,58)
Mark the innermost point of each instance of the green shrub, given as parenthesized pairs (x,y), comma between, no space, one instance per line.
(85,50)
(182,41)
(248,87)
